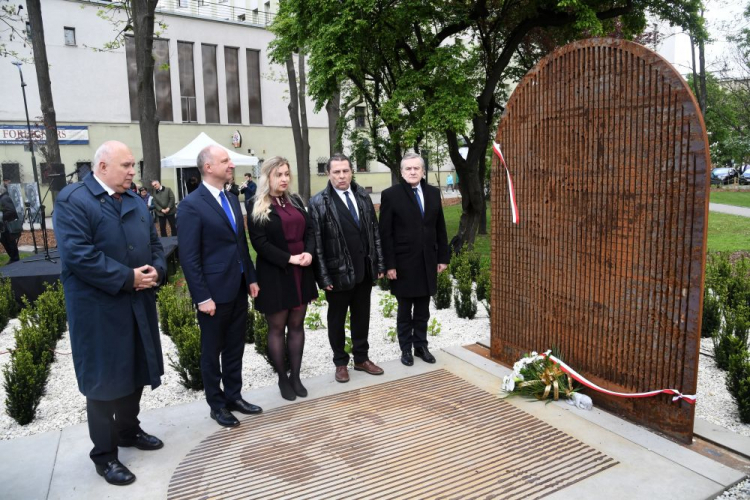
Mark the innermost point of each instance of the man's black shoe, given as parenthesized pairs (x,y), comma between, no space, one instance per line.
(224,418)
(407,358)
(422,352)
(142,441)
(115,473)
(243,406)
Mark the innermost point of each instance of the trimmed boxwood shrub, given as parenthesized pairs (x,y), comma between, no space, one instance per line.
(24,385)
(463,298)
(442,298)
(187,341)
(8,307)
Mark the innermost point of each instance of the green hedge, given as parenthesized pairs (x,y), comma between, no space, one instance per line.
(8,307)
(25,376)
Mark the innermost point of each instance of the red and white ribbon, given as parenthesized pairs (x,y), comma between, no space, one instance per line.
(677,395)
(511,189)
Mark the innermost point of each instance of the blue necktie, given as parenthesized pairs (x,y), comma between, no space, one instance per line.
(227,210)
(351,207)
(419,202)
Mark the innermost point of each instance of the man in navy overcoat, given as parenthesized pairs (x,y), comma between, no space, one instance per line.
(216,261)
(111,262)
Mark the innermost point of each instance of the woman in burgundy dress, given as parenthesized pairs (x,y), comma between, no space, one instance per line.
(282,235)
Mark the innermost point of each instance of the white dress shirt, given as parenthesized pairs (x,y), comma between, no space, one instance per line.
(215,193)
(109,190)
(351,197)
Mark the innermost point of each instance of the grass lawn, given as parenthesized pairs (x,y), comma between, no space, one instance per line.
(736,198)
(728,233)
(4,257)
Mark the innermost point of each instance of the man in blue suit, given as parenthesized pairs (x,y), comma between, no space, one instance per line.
(111,261)
(216,261)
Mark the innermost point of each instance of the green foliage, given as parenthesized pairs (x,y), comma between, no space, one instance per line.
(732,338)
(321,300)
(49,310)
(8,308)
(392,334)
(739,370)
(348,344)
(261,336)
(743,400)
(166,299)
(187,341)
(384,284)
(711,314)
(434,328)
(475,264)
(31,337)
(442,298)
(24,385)
(388,305)
(484,283)
(313,320)
(463,298)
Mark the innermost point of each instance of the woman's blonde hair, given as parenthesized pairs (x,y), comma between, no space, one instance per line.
(262,206)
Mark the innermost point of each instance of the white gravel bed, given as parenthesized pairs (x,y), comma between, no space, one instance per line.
(63,405)
(714,403)
(738,492)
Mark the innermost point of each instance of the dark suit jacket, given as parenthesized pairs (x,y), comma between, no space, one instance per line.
(413,245)
(278,289)
(210,251)
(100,242)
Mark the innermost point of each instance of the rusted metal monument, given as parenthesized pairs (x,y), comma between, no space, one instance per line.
(609,158)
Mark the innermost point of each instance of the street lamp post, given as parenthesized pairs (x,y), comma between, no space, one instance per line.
(40,212)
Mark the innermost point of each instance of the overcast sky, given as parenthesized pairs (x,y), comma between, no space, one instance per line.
(722,19)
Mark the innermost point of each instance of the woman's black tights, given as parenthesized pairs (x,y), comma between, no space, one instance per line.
(290,321)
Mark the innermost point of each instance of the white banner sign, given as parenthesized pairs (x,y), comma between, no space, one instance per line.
(67,135)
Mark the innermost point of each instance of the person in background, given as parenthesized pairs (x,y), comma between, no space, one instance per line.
(449,181)
(232,187)
(165,207)
(8,215)
(282,235)
(415,247)
(192,184)
(111,263)
(248,188)
(149,200)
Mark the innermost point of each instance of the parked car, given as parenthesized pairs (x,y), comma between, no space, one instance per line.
(723,175)
(745,177)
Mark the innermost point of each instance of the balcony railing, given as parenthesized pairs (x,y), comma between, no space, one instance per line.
(218,10)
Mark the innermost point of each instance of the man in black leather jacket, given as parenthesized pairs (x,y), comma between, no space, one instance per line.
(347,261)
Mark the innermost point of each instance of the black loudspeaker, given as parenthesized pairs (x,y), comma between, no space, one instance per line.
(57,176)
(12,171)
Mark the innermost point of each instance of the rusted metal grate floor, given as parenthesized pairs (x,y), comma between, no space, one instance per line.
(429,436)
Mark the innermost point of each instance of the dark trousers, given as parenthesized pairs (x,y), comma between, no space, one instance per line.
(249,207)
(10,243)
(411,321)
(357,301)
(222,347)
(110,421)
(163,225)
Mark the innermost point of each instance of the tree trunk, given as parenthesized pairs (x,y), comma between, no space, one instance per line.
(52,154)
(299,137)
(333,108)
(303,167)
(143,33)
(482,177)
(702,76)
(694,68)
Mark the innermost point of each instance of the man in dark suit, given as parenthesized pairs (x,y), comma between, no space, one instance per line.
(348,258)
(111,261)
(219,273)
(415,247)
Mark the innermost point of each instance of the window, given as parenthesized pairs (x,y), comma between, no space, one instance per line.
(359,117)
(12,172)
(253,86)
(232,70)
(182,3)
(28,30)
(82,169)
(210,83)
(162,81)
(322,165)
(186,71)
(70,35)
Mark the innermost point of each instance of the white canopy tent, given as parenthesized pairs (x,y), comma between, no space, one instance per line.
(187,156)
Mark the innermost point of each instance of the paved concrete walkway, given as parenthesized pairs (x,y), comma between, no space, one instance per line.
(729,209)
(55,465)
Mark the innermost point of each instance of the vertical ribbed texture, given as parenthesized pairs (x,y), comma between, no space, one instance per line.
(610,164)
(428,436)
